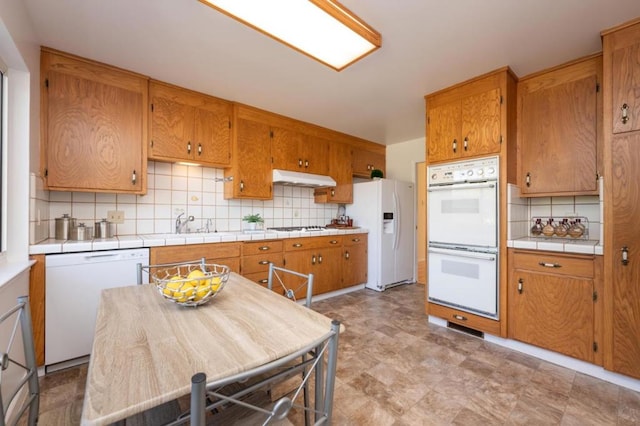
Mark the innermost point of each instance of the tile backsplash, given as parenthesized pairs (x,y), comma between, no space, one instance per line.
(521,210)
(171,190)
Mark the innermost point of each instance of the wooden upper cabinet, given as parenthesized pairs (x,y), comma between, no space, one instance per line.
(625,93)
(364,161)
(340,171)
(93,126)
(250,173)
(559,131)
(189,126)
(465,120)
(299,152)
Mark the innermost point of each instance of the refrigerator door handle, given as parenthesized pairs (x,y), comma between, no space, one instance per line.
(396,222)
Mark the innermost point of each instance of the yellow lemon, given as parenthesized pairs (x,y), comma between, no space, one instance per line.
(196,276)
(202,291)
(185,293)
(172,286)
(215,283)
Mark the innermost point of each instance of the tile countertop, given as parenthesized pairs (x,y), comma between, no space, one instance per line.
(51,245)
(556,244)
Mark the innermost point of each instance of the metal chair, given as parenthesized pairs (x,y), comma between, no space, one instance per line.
(284,279)
(19,389)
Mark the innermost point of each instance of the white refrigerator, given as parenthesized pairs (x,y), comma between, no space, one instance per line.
(386,208)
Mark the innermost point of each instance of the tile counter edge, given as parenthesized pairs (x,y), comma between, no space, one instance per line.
(567,246)
(52,246)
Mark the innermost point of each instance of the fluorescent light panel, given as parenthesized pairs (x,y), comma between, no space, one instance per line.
(322,29)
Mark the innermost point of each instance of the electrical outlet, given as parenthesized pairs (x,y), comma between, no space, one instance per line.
(115,216)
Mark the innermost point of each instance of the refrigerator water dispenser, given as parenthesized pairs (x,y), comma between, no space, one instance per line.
(387,223)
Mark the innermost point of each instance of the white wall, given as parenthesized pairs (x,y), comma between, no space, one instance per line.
(402,158)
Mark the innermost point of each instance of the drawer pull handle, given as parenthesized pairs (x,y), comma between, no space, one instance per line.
(625,255)
(550,265)
(263,262)
(459,317)
(313,259)
(297,245)
(333,242)
(356,240)
(625,113)
(520,285)
(347,255)
(263,281)
(263,248)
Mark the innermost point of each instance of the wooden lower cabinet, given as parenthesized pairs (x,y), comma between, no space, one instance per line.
(553,302)
(256,257)
(37,276)
(220,253)
(354,266)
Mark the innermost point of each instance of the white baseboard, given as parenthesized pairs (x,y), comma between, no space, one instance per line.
(558,359)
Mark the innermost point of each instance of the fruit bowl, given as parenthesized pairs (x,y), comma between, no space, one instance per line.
(190,284)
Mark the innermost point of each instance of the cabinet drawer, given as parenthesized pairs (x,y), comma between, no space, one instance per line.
(354,240)
(260,262)
(249,249)
(191,252)
(261,278)
(558,264)
(294,244)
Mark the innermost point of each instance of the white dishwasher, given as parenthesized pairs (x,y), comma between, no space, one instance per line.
(74,282)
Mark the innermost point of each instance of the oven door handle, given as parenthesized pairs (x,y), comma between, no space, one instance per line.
(463,253)
(458,186)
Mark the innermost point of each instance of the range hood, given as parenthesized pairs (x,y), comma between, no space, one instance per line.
(286,177)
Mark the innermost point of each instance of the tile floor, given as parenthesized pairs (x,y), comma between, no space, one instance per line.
(397,369)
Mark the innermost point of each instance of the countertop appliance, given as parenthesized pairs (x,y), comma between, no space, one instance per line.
(74,283)
(386,208)
(462,228)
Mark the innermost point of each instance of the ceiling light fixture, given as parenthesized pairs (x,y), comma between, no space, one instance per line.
(322,29)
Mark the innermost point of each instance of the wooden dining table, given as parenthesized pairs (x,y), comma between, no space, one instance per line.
(146,348)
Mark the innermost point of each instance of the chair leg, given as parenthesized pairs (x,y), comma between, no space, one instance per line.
(30,359)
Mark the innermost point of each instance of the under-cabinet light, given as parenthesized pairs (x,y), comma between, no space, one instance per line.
(322,29)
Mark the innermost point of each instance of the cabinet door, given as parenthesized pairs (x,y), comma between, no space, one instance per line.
(480,124)
(554,312)
(328,270)
(625,230)
(443,131)
(340,171)
(284,149)
(212,134)
(302,261)
(251,172)
(626,86)
(94,126)
(171,126)
(558,134)
(314,152)
(355,260)
(363,162)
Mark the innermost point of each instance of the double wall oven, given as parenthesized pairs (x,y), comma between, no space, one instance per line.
(462,226)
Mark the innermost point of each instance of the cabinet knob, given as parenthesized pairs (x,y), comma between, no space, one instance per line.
(199,149)
(333,192)
(459,317)
(134,177)
(313,259)
(466,143)
(333,242)
(241,185)
(355,240)
(306,164)
(299,162)
(263,262)
(528,179)
(263,248)
(520,284)
(455,145)
(189,147)
(347,255)
(625,113)
(319,258)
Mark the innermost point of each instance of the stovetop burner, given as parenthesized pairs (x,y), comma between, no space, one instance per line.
(297,228)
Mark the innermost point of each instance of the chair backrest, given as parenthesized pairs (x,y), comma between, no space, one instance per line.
(19,389)
(291,283)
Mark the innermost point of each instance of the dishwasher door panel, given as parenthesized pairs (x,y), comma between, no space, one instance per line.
(74,283)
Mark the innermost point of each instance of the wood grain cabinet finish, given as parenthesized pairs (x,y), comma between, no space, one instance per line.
(560,130)
(299,152)
(93,125)
(553,302)
(189,126)
(250,173)
(621,62)
(340,170)
(465,120)
(256,257)
(220,253)
(364,161)
(354,268)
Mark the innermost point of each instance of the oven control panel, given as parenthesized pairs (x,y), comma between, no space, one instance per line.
(477,170)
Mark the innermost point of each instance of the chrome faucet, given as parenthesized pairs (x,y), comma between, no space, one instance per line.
(182,224)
